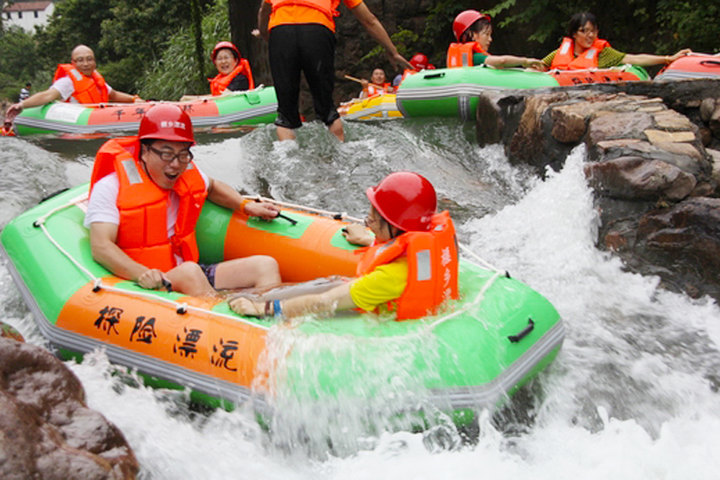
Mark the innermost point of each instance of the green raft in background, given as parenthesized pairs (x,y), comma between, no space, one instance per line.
(453,92)
(248,108)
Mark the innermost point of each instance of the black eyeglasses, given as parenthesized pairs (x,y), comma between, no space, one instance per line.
(183,157)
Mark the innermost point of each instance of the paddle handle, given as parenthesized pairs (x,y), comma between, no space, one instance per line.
(355,79)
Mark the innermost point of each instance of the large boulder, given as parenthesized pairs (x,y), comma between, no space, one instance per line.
(46,429)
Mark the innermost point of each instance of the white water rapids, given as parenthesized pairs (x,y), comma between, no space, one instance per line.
(633,393)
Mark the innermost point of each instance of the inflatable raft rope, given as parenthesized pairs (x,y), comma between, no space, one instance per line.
(518,367)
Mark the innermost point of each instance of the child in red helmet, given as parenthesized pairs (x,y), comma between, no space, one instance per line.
(473,31)
(410,267)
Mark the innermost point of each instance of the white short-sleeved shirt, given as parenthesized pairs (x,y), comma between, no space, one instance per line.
(66,88)
(102,205)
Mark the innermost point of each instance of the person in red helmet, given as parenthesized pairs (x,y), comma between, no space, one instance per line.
(473,31)
(410,267)
(234,73)
(146,194)
(419,62)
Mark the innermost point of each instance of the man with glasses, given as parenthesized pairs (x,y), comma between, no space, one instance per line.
(146,194)
(76,82)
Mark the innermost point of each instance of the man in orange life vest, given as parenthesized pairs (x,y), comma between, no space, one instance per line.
(76,82)
(473,32)
(301,38)
(410,267)
(146,194)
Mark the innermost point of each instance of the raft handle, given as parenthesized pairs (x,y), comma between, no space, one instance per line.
(710,63)
(51,195)
(285,217)
(434,75)
(524,333)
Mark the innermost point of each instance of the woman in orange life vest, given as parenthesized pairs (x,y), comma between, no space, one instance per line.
(582,49)
(473,31)
(234,73)
(410,267)
(146,195)
(378,84)
(419,61)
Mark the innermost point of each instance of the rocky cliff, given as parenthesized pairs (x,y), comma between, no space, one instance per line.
(652,157)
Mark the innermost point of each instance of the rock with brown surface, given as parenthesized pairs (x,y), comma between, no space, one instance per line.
(46,429)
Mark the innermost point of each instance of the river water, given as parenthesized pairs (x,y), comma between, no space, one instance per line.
(633,393)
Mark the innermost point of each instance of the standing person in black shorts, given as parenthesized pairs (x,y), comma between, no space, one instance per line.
(301,36)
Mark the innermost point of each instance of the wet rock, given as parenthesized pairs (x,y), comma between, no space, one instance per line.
(618,126)
(489,124)
(649,145)
(707,107)
(688,233)
(638,178)
(46,429)
(715,158)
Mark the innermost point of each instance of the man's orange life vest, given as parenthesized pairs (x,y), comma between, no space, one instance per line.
(461,54)
(565,58)
(328,7)
(432,267)
(220,82)
(87,89)
(372,89)
(142,233)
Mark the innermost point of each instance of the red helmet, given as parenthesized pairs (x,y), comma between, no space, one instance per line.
(166,121)
(405,199)
(419,61)
(222,45)
(465,19)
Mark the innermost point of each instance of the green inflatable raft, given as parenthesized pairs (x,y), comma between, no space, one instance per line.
(213,114)
(474,354)
(453,92)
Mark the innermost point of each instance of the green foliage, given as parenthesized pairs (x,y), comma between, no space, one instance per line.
(19,62)
(73,22)
(693,24)
(175,73)
(404,40)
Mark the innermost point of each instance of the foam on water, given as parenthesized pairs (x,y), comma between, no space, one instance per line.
(632,394)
